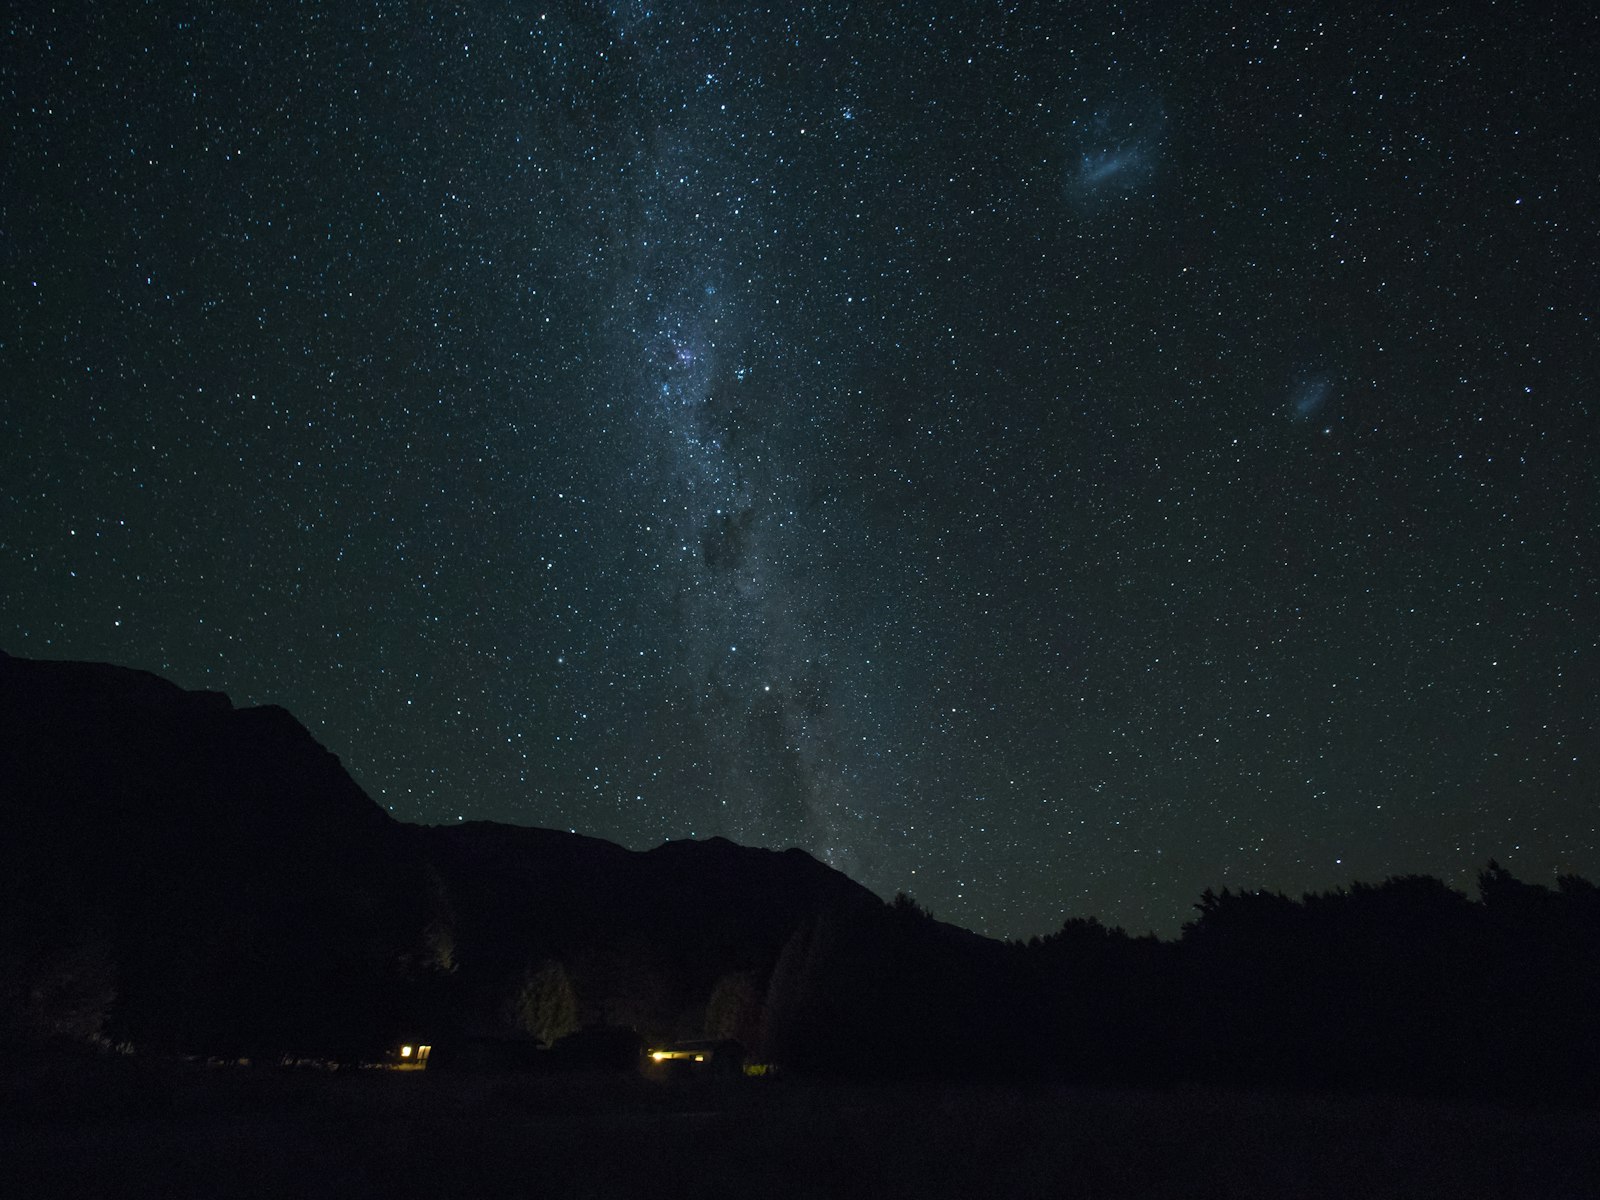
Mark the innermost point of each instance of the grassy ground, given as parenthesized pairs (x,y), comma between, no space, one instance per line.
(135,1130)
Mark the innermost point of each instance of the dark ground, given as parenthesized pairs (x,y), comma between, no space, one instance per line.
(171,1131)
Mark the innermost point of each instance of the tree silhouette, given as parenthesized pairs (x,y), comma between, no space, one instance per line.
(788,1015)
(544,1003)
(734,1010)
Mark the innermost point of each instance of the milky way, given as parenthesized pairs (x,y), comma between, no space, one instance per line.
(1049,459)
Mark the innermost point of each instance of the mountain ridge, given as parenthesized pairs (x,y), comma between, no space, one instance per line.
(226,852)
(184,876)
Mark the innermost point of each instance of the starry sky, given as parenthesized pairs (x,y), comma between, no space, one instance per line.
(1047,458)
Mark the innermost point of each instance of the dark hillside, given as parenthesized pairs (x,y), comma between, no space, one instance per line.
(181,873)
(647,934)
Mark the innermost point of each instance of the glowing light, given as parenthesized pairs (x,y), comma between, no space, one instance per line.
(405,1051)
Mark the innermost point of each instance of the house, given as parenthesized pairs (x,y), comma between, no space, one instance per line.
(722,1056)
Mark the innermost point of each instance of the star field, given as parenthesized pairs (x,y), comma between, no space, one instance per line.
(1048,459)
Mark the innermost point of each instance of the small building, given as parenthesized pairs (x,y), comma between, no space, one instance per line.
(717,1056)
(411,1056)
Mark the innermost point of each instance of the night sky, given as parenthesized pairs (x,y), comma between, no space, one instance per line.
(1050,459)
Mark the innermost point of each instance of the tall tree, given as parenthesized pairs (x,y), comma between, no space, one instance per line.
(544,1002)
(734,1010)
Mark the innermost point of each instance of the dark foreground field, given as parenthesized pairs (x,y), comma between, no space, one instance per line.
(174,1132)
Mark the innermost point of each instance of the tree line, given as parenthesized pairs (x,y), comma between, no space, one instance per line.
(1406,986)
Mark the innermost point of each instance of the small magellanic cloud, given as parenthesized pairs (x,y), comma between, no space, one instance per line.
(1310,397)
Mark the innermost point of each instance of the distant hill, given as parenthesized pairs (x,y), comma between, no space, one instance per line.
(646,935)
(212,868)
(183,873)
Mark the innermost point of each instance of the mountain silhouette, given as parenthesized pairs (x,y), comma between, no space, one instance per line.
(235,889)
(188,875)
(181,875)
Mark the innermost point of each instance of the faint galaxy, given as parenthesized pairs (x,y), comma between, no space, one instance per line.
(1048,459)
